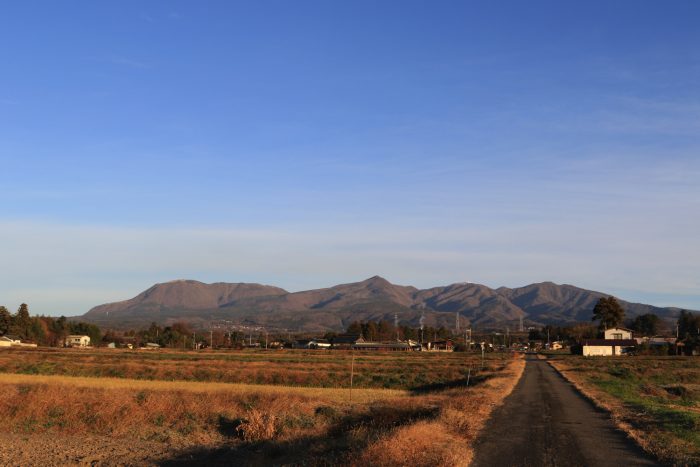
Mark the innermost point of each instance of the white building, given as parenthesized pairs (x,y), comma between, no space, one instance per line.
(77,341)
(14,341)
(618,333)
(618,341)
(9,341)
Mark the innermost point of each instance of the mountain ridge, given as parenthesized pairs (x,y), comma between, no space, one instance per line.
(333,308)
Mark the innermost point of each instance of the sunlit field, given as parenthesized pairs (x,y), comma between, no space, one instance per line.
(259,406)
(330,369)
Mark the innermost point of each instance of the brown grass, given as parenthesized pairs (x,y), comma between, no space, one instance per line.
(337,395)
(431,425)
(394,370)
(447,439)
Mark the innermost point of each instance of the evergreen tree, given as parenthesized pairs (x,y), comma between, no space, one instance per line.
(355,328)
(609,312)
(688,325)
(646,325)
(5,320)
(21,322)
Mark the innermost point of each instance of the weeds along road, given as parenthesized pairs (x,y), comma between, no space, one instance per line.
(546,422)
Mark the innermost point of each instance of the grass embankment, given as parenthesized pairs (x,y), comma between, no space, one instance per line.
(426,423)
(655,399)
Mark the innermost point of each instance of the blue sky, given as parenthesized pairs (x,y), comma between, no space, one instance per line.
(304,144)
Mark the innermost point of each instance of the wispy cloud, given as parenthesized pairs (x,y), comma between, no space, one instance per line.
(129,62)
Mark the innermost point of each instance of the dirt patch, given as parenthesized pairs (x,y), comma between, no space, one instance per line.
(47,450)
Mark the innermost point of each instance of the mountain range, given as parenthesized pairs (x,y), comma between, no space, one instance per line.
(333,308)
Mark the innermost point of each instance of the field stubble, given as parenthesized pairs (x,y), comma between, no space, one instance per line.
(426,419)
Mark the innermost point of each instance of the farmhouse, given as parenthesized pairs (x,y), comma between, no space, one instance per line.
(77,341)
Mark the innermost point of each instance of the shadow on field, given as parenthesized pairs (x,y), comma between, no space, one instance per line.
(347,434)
(458,383)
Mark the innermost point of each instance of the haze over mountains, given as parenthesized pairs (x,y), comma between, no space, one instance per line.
(333,308)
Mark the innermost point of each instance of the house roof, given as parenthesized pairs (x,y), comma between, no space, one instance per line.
(659,339)
(382,345)
(609,342)
(619,328)
(347,339)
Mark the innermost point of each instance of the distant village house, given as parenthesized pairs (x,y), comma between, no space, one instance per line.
(618,341)
(77,341)
(14,341)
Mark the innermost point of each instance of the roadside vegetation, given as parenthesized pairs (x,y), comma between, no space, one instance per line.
(201,404)
(655,399)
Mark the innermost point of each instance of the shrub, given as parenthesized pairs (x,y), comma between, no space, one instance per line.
(258,426)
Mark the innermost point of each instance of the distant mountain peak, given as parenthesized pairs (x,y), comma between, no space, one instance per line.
(376,279)
(374,298)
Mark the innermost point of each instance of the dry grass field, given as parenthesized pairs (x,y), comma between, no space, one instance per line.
(655,399)
(329,369)
(177,408)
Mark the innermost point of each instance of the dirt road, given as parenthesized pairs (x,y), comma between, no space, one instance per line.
(546,422)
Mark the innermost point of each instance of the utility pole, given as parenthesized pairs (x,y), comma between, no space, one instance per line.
(483,346)
(352,373)
(211,338)
(194,341)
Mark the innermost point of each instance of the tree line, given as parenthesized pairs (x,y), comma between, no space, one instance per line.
(386,330)
(44,330)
